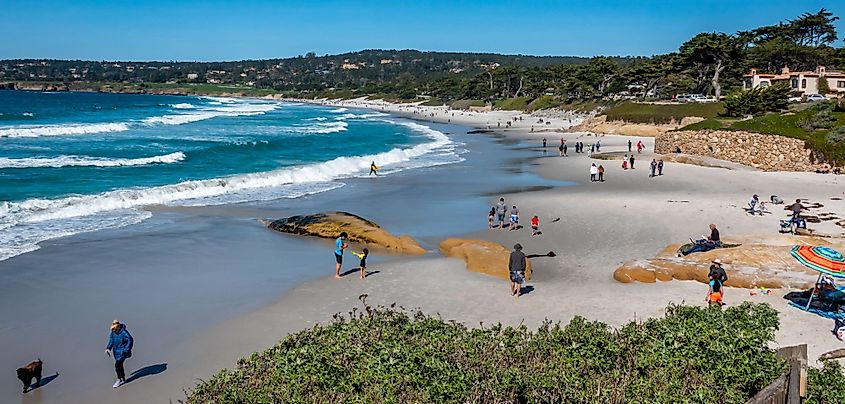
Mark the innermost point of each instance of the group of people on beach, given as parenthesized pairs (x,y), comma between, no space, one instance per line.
(496,218)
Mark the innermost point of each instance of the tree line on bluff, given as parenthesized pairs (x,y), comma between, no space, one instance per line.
(708,63)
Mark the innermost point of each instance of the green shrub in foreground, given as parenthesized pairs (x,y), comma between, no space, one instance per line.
(826,385)
(381,355)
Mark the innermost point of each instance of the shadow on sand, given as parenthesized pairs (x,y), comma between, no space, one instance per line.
(44,381)
(146,371)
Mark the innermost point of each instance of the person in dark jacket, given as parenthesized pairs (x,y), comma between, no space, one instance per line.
(516,268)
(120,347)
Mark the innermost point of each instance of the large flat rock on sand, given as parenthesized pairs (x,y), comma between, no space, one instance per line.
(481,256)
(756,263)
(362,231)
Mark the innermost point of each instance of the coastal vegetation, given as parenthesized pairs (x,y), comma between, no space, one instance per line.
(703,355)
(661,113)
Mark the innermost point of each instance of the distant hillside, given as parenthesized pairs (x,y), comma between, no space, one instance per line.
(308,72)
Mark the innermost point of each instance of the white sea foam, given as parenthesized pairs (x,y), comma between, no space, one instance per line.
(35,220)
(87,161)
(229,108)
(321,127)
(60,130)
(339,110)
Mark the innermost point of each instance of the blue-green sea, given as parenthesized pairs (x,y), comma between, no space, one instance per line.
(79,162)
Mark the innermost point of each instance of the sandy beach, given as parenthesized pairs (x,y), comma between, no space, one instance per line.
(210,310)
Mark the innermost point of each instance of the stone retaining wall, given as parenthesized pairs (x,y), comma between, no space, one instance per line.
(766,152)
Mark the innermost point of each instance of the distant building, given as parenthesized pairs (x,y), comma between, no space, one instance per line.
(349,66)
(386,61)
(192,76)
(806,82)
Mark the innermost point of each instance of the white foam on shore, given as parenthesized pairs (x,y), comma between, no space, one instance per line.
(87,161)
(36,220)
(182,105)
(339,110)
(61,130)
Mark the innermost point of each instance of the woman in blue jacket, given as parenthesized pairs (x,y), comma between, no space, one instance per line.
(120,346)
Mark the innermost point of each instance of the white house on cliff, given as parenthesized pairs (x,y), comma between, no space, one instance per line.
(806,82)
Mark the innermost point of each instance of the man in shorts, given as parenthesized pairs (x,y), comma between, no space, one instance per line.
(339,246)
(501,210)
(516,269)
(514,218)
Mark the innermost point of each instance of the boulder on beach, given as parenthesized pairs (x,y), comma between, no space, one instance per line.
(362,231)
(756,263)
(482,256)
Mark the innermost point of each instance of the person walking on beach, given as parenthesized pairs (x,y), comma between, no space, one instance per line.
(120,348)
(544,143)
(629,145)
(625,162)
(640,146)
(714,292)
(660,167)
(718,277)
(601,173)
(490,217)
(514,218)
(501,210)
(535,226)
(631,161)
(516,269)
(653,166)
(565,147)
(560,149)
(796,209)
(598,146)
(339,246)
(594,171)
(373,168)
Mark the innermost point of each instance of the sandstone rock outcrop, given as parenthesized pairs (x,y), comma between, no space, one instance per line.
(755,263)
(331,224)
(766,152)
(481,256)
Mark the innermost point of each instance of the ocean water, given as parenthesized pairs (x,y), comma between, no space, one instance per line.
(80,162)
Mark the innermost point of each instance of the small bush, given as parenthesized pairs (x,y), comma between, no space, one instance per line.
(757,101)
(820,120)
(836,135)
(825,385)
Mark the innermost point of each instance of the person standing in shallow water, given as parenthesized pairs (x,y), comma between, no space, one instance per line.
(631,161)
(653,168)
(660,167)
(339,246)
(119,347)
(544,143)
(629,145)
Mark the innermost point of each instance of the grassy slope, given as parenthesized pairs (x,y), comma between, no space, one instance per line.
(654,113)
(783,125)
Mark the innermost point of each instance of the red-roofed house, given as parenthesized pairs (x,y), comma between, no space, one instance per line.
(806,82)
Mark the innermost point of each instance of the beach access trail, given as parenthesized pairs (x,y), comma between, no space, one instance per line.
(602,225)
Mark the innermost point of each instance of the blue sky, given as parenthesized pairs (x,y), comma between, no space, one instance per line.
(234,30)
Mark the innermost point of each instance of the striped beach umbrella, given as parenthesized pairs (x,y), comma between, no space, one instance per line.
(822,259)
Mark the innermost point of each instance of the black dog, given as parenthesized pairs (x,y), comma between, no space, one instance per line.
(28,372)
